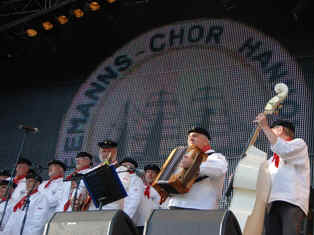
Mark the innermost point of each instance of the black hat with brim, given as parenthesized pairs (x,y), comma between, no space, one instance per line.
(107,144)
(200,130)
(130,160)
(5,173)
(6,182)
(57,162)
(84,154)
(152,167)
(283,123)
(24,161)
(33,175)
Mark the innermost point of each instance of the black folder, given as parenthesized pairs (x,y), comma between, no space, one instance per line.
(104,185)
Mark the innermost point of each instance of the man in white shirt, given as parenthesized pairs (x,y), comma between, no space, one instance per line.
(54,186)
(150,199)
(5,198)
(290,172)
(108,152)
(107,155)
(37,214)
(205,193)
(22,168)
(132,184)
(84,161)
(4,175)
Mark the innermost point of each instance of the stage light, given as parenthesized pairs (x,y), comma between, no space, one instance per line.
(94,6)
(78,13)
(31,32)
(47,25)
(111,1)
(62,19)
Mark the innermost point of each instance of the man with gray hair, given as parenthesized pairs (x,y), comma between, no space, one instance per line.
(205,192)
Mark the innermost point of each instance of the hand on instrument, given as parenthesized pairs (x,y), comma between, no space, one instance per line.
(261,120)
(163,196)
(78,203)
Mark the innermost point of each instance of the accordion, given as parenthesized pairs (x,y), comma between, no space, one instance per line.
(174,176)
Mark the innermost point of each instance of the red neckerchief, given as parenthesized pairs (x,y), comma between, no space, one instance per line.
(22,201)
(68,202)
(67,205)
(52,179)
(86,203)
(276,157)
(17,179)
(206,148)
(75,172)
(147,191)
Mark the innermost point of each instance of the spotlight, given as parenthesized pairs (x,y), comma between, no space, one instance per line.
(78,13)
(31,32)
(47,25)
(62,19)
(111,1)
(94,6)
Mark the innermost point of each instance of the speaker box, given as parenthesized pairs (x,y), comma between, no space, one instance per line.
(106,222)
(192,222)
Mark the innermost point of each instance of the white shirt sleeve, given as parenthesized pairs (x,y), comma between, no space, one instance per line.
(215,166)
(289,150)
(135,193)
(155,198)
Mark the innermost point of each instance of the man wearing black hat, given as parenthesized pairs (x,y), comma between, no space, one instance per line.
(290,172)
(205,193)
(84,162)
(54,187)
(107,152)
(150,199)
(132,184)
(3,197)
(3,189)
(22,168)
(37,214)
(107,155)
(4,174)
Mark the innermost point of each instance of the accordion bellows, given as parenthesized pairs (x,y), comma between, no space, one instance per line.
(173,177)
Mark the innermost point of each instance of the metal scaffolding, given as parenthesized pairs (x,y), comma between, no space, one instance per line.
(15,12)
(9,8)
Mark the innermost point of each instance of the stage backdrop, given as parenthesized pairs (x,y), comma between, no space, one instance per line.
(217,74)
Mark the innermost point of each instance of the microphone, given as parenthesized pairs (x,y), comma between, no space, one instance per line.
(139,172)
(29,129)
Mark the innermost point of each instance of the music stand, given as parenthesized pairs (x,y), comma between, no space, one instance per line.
(104,185)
